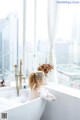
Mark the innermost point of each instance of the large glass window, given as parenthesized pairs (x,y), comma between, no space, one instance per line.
(68,44)
(11,34)
(24,33)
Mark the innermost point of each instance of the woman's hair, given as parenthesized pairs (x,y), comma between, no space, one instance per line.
(45,68)
(34,77)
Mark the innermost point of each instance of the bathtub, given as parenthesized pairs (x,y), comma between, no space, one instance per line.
(66,106)
(25,110)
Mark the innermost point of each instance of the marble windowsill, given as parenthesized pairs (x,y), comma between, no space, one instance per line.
(63,89)
(11,86)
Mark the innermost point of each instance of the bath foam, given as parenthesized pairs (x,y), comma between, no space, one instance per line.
(6,103)
(20,107)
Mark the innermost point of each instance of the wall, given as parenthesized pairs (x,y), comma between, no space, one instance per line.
(66,107)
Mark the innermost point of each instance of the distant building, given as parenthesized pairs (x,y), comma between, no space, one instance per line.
(62,51)
(8,43)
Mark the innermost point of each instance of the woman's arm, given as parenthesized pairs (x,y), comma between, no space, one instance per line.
(45,94)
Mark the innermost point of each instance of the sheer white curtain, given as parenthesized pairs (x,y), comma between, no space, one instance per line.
(41,43)
(28,36)
(52,27)
(41,17)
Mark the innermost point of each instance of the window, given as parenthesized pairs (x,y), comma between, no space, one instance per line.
(24,34)
(67,45)
(11,35)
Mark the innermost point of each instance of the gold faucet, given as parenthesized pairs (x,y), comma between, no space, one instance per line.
(18,74)
(16,79)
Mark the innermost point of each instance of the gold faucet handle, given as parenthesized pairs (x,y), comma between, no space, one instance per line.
(15,69)
(20,62)
(15,66)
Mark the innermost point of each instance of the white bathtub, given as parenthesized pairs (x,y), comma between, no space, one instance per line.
(27,110)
